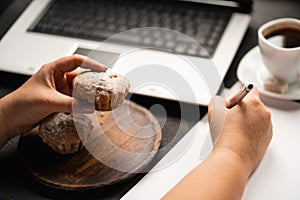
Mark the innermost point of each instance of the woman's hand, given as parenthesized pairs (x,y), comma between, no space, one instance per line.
(241,136)
(245,130)
(47,91)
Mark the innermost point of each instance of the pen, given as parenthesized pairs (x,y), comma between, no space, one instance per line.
(241,94)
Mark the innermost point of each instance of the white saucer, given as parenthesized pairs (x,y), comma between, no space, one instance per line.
(251,69)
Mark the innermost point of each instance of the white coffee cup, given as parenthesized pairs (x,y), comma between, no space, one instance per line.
(282,62)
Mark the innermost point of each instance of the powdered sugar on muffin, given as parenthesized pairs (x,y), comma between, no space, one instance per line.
(58,131)
(106,90)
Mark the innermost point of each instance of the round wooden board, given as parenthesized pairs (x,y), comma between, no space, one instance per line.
(81,170)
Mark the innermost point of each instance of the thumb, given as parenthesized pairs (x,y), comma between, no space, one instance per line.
(64,103)
(216,116)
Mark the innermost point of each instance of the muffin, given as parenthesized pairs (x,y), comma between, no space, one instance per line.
(106,90)
(59,132)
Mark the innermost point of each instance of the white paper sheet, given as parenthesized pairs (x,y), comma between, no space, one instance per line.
(277,177)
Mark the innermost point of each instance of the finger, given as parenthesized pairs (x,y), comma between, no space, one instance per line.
(216,116)
(254,93)
(71,75)
(69,63)
(64,103)
(82,107)
(217,103)
(61,103)
(94,65)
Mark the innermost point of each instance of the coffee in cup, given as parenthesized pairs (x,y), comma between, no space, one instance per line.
(279,43)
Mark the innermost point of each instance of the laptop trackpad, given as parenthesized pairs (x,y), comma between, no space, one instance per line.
(105,58)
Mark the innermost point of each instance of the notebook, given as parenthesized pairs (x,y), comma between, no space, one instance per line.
(177,50)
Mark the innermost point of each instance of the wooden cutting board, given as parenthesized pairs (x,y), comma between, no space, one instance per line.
(129,139)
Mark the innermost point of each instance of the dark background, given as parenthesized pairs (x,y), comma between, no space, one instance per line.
(15,182)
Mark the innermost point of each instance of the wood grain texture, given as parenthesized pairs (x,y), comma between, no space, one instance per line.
(122,143)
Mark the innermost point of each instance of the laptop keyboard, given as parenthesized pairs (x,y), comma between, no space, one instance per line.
(101,19)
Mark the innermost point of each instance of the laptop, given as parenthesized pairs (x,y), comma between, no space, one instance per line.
(199,39)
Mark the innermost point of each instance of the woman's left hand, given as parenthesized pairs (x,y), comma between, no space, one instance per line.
(46,92)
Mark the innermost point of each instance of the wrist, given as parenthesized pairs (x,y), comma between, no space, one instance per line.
(4,131)
(7,121)
(236,159)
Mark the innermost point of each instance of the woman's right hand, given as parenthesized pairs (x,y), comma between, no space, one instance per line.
(245,130)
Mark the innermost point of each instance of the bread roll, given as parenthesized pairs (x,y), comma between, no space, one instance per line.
(106,90)
(58,131)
